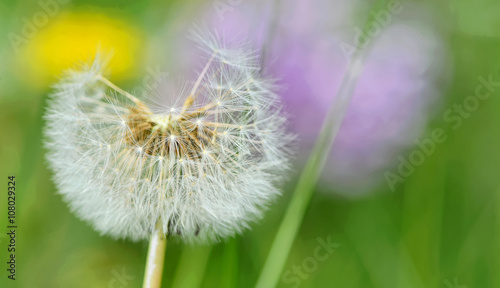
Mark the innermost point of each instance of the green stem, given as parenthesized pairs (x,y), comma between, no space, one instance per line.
(154,262)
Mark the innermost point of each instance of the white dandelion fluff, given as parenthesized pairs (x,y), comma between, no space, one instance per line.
(199,160)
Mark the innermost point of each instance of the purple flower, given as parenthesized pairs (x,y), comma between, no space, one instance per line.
(391,101)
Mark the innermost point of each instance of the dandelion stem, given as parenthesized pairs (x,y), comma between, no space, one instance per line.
(154,262)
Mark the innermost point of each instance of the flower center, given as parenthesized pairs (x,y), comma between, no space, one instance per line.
(167,135)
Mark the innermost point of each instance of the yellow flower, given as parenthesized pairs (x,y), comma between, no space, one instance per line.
(70,38)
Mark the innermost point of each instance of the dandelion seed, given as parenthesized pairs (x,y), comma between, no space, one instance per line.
(178,151)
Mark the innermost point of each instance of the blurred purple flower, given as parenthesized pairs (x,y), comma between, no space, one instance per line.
(391,101)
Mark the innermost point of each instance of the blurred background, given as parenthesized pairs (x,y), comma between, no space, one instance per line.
(410,193)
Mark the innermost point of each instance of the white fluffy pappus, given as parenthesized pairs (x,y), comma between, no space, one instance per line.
(200,160)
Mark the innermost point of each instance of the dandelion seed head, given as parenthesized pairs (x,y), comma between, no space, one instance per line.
(203,171)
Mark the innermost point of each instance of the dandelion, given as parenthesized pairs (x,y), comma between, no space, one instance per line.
(199,160)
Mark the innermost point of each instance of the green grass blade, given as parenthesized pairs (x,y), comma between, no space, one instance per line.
(304,190)
(191,267)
